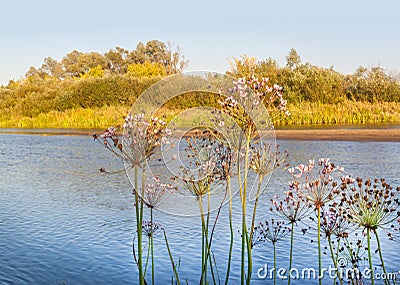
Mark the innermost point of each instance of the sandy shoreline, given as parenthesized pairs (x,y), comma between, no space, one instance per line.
(382,135)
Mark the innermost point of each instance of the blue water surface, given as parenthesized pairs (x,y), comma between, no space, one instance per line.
(63,222)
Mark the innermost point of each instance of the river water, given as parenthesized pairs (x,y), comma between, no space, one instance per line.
(63,222)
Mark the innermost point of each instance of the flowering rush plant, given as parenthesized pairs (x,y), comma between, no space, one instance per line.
(139,143)
(233,155)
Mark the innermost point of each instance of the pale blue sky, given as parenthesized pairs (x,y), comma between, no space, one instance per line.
(345,34)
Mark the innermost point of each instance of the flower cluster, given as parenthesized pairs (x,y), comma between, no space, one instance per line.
(269,230)
(261,92)
(140,141)
(225,161)
(264,160)
(372,204)
(198,176)
(154,130)
(150,228)
(228,102)
(333,222)
(155,191)
(321,187)
(293,207)
(248,102)
(353,250)
(109,138)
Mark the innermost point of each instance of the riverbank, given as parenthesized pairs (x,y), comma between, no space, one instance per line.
(382,135)
(302,114)
(388,134)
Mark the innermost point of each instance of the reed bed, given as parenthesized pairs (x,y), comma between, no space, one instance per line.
(304,113)
(346,112)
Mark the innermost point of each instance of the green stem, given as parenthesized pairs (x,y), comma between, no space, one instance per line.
(208,244)
(370,256)
(337,250)
(142,194)
(253,220)
(274,243)
(203,279)
(139,209)
(319,247)
(380,254)
(334,260)
(228,182)
(171,259)
(147,258)
(245,236)
(205,245)
(340,274)
(351,258)
(291,251)
(242,261)
(250,262)
(152,246)
(212,267)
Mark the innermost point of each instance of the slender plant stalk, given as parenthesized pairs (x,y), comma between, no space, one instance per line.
(203,279)
(380,254)
(334,260)
(142,194)
(246,243)
(216,268)
(253,220)
(228,182)
(337,250)
(205,245)
(210,258)
(152,246)
(249,257)
(141,202)
(171,259)
(291,251)
(139,227)
(147,257)
(274,243)
(319,247)
(242,261)
(351,255)
(213,262)
(370,256)
(208,244)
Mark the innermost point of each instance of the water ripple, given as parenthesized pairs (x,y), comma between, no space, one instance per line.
(61,221)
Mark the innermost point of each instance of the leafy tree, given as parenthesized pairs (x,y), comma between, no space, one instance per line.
(177,61)
(269,68)
(137,55)
(76,63)
(146,69)
(52,67)
(158,52)
(34,73)
(373,85)
(293,59)
(312,83)
(117,60)
(97,71)
(71,63)
(244,66)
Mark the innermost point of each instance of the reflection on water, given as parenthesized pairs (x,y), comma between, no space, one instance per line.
(61,221)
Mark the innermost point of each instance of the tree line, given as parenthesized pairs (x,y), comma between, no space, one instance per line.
(307,82)
(150,59)
(117,77)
